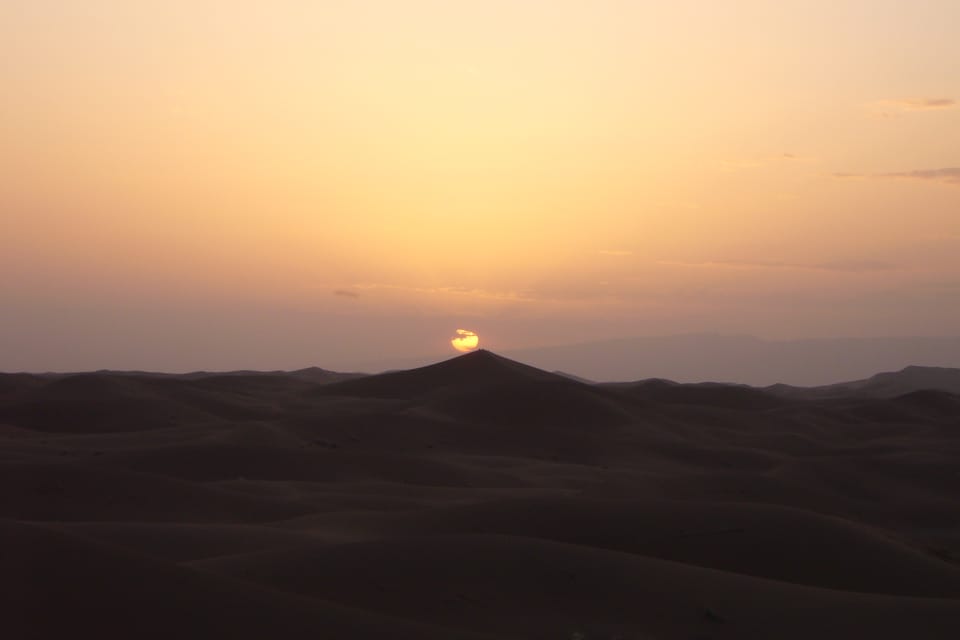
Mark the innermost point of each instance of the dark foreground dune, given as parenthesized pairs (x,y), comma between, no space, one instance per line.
(476,498)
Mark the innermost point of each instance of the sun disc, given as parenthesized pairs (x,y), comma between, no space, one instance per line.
(465,340)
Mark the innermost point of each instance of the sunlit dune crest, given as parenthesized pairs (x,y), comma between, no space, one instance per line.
(465,340)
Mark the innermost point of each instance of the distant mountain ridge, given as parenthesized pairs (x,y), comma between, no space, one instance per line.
(889,384)
(309,374)
(483,366)
(741,359)
(686,358)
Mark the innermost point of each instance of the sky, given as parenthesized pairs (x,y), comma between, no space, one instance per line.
(204,184)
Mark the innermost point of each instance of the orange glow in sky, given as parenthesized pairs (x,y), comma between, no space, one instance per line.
(575,170)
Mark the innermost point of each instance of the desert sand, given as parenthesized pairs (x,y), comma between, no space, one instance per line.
(477,498)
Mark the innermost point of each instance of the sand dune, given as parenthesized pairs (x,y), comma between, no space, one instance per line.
(56,585)
(760,540)
(541,589)
(477,497)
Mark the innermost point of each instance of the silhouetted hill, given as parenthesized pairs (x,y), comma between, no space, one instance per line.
(883,385)
(18,382)
(132,401)
(730,396)
(573,377)
(482,387)
(479,367)
(910,379)
(311,374)
(95,402)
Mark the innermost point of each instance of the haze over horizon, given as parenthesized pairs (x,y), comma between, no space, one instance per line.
(211,185)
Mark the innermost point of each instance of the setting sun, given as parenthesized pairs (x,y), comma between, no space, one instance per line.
(465,340)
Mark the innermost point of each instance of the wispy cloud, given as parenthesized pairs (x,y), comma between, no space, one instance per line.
(344,293)
(894,108)
(949,175)
(925,104)
(854,265)
(849,266)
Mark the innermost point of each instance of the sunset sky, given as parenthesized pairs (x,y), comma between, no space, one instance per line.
(196,184)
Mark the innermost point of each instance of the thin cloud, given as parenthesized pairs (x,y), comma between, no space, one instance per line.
(848,266)
(949,175)
(855,266)
(894,108)
(796,157)
(924,104)
(344,293)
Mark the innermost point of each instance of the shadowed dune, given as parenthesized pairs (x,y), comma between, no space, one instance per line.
(187,542)
(761,540)
(540,589)
(55,585)
(67,492)
(97,403)
(478,497)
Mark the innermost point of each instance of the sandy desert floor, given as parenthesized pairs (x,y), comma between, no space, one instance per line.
(475,498)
